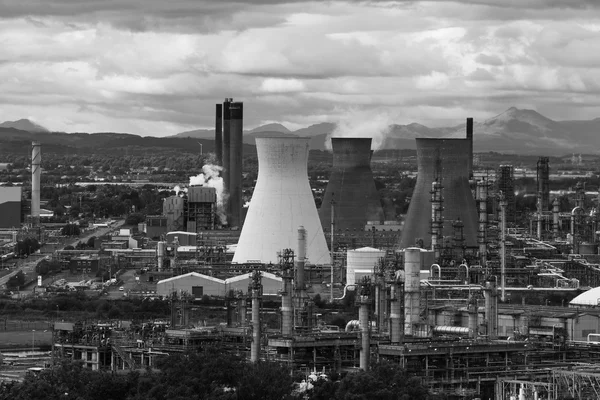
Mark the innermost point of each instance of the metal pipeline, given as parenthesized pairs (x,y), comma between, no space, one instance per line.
(439,269)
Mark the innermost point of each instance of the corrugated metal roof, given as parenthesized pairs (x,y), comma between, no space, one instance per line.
(190,274)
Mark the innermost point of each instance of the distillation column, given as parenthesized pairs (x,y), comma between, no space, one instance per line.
(473,317)
(287,314)
(160,255)
(437,220)
(555,217)
(256,293)
(482,187)
(412,303)
(36,172)
(396,327)
(503,207)
(363,300)
(490,294)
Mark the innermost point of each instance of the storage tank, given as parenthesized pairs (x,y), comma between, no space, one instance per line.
(351,186)
(446,160)
(282,201)
(362,259)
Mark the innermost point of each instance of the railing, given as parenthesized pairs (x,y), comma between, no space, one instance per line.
(127,359)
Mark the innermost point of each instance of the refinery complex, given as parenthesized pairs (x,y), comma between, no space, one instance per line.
(456,292)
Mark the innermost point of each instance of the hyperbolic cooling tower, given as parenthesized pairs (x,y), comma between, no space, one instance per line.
(282,201)
(446,160)
(36,172)
(351,186)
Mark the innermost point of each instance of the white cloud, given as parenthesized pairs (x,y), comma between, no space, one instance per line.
(275,85)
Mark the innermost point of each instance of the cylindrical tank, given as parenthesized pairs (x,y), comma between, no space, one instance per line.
(219,133)
(363,259)
(282,201)
(351,186)
(236,128)
(447,161)
(226,145)
(412,281)
(36,173)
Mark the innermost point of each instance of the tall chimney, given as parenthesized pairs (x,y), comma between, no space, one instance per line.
(236,126)
(219,134)
(470,138)
(226,149)
(36,173)
(282,201)
(356,198)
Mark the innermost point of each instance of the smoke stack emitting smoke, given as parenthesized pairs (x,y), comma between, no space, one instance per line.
(363,124)
(211,177)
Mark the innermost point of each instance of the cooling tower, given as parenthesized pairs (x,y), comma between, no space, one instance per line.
(282,201)
(351,186)
(446,160)
(236,125)
(219,133)
(36,173)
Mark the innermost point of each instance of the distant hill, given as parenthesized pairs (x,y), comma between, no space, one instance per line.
(24,125)
(513,131)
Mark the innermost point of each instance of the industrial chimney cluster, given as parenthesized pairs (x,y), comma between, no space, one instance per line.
(229,149)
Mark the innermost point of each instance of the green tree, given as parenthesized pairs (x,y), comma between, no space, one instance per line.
(70,230)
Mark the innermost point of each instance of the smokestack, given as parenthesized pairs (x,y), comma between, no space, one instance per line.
(356,198)
(447,161)
(287,316)
(36,173)
(412,280)
(219,134)
(236,126)
(470,138)
(282,201)
(226,149)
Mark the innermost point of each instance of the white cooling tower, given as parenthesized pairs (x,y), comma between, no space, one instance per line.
(282,201)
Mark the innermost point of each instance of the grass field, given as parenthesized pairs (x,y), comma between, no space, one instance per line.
(24,339)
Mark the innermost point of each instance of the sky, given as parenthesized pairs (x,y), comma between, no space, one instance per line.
(157,67)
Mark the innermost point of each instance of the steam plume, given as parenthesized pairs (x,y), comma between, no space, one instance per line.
(210,177)
(363,123)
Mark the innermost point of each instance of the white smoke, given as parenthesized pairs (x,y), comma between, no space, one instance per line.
(363,123)
(178,189)
(211,177)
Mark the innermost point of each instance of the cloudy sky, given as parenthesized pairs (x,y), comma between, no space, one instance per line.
(157,67)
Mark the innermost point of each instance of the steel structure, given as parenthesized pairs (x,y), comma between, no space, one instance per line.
(36,173)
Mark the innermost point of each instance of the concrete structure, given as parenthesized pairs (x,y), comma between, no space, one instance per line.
(219,133)
(447,161)
(10,206)
(281,202)
(351,187)
(36,174)
(226,149)
(360,261)
(173,209)
(201,208)
(236,111)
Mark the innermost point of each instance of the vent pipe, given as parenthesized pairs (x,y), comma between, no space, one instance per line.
(236,127)
(36,173)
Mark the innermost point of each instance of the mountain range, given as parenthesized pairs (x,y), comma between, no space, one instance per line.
(513,131)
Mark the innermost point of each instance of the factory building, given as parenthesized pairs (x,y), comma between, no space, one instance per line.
(10,206)
(351,195)
(282,201)
(272,284)
(445,163)
(201,208)
(193,283)
(173,207)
